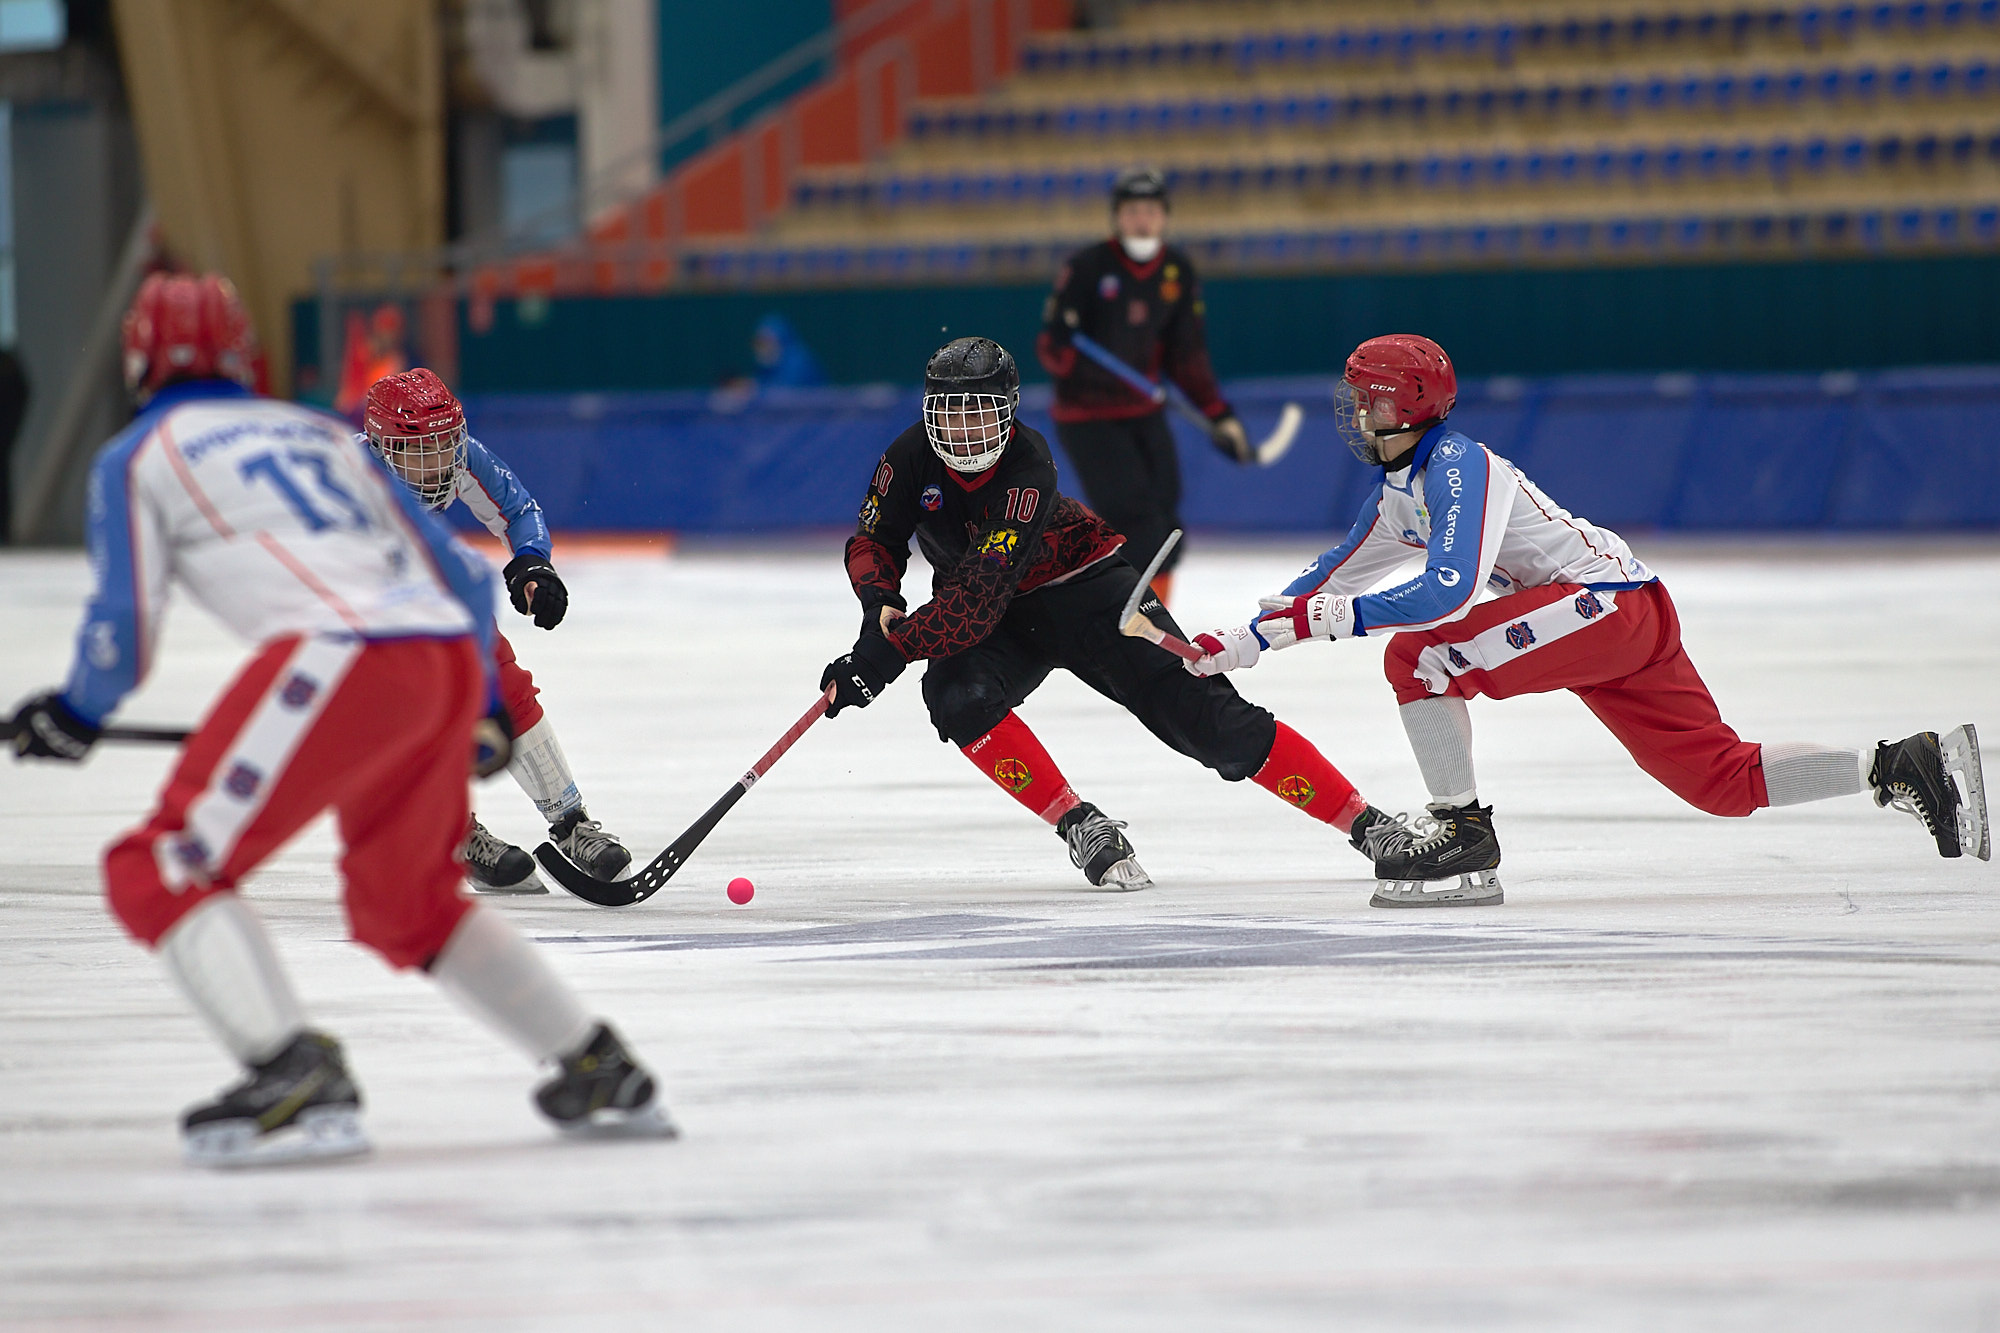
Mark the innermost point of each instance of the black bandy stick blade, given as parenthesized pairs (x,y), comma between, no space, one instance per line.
(601,893)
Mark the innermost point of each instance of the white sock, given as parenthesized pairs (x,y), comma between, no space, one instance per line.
(221,958)
(542,769)
(490,970)
(1440,732)
(1796,772)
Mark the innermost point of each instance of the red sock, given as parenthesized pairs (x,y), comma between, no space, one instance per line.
(1013,758)
(1297,772)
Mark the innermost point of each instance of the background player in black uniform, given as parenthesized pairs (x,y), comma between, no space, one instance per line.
(1027,580)
(1137,296)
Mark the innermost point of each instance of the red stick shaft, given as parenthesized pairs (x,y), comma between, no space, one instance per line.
(785,742)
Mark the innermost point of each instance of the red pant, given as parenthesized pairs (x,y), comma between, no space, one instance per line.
(1619,652)
(517,687)
(381,732)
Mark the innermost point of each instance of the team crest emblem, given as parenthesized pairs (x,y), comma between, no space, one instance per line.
(1136,313)
(1519,636)
(998,545)
(871,513)
(299,691)
(1588,606)
(932,499)
(190,851)
(1457,658)
(1013,775)
(1107,286)
(243,781)
(1450,449)
(1297,790)
(1170,291)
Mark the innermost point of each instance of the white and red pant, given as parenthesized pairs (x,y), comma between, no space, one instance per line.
(1618,651)
(380,732)
(517,687)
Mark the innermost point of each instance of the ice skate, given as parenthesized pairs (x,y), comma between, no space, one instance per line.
(601,1091)
(1937,779)
(1447,858)
(300,1105)
(1097,848)
(494,865)
(584,841)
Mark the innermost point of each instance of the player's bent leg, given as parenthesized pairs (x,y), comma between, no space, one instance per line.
(543,771)
(497,976)
(1012,756)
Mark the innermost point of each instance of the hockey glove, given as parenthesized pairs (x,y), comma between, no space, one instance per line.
(1228,435)
(1321,615)
(859,676)
(536,589)
(492,742)
(47,728)
(1228,650)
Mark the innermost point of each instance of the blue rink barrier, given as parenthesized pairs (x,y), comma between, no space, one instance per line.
(1908,450)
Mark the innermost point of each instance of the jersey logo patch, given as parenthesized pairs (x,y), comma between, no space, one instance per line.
(1013,775)
(932,499)
(1450,450)
(1448,577)
(1170,291)
(1588,606)
(299,691)
(871,514)
(243,781)
(1107,286)
(1298,790)
(1457,658)
(998,545)
(1136,313)
(1519,636)
(191,851)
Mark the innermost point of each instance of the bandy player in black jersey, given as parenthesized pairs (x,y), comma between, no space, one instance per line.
(1027,580)
(1138,297)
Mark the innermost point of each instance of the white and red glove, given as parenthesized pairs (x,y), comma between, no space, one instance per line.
(1227,649)
(1320,615)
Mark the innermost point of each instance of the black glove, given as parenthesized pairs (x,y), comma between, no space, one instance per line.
(492,741)
(862,673)
(1227,434)
(47,728)
(551,598)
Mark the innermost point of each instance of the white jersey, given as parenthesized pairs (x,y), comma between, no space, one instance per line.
(1478,522)
(273,518)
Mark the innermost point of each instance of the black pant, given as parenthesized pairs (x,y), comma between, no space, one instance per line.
(1074,626)
(1131,476)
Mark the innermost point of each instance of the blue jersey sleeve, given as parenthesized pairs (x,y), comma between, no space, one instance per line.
(115,642)
(499,500)
(1467,518)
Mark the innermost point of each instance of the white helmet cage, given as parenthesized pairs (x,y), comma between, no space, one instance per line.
(429,463)
(969,431)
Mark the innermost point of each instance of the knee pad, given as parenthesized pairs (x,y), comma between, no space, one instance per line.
(966,709)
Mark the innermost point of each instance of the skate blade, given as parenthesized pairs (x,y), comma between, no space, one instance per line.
(324,1133)
(1961,760)
(647,1122)
(1478,888)
(522,888)
(1125,877)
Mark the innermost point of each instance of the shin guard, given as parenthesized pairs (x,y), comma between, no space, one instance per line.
(1299,774)
(1011,756)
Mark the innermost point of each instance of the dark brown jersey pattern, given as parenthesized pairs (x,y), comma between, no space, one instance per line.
(989,537)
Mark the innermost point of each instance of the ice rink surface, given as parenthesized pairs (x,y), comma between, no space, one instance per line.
(1695,1073)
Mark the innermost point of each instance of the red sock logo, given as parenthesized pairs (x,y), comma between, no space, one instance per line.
(1297,789)
(1013,775)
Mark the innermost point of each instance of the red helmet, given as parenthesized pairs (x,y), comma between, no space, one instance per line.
(184,327)
(418,427)
(1398,382)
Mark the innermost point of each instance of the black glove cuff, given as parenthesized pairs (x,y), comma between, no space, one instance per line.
(876,650)
(524,567)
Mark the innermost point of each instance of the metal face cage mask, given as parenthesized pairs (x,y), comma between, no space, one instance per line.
(1354,417)
(969,431)
(429,463)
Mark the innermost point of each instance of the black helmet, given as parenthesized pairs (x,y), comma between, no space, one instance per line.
(971,387)
(1139,183)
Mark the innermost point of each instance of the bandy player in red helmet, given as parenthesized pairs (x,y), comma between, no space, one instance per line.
(1574,610)
(418,427)
(370,679)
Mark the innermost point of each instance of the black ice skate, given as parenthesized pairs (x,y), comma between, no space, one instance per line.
(1446,858)
(494,865)
(1097,848)
(299,1105)
(1938,780)
(601,1090)
(584,841)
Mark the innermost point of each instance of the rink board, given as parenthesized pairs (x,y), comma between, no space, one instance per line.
(1695,1072)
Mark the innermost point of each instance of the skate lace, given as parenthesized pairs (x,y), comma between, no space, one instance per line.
(1902,796)
(587,839)
(1389,836)
(1090,837)
(1428,832)
(481,847)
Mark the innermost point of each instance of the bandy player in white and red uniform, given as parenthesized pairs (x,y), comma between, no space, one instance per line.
(371,671)
(1573,610)
(417,425)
